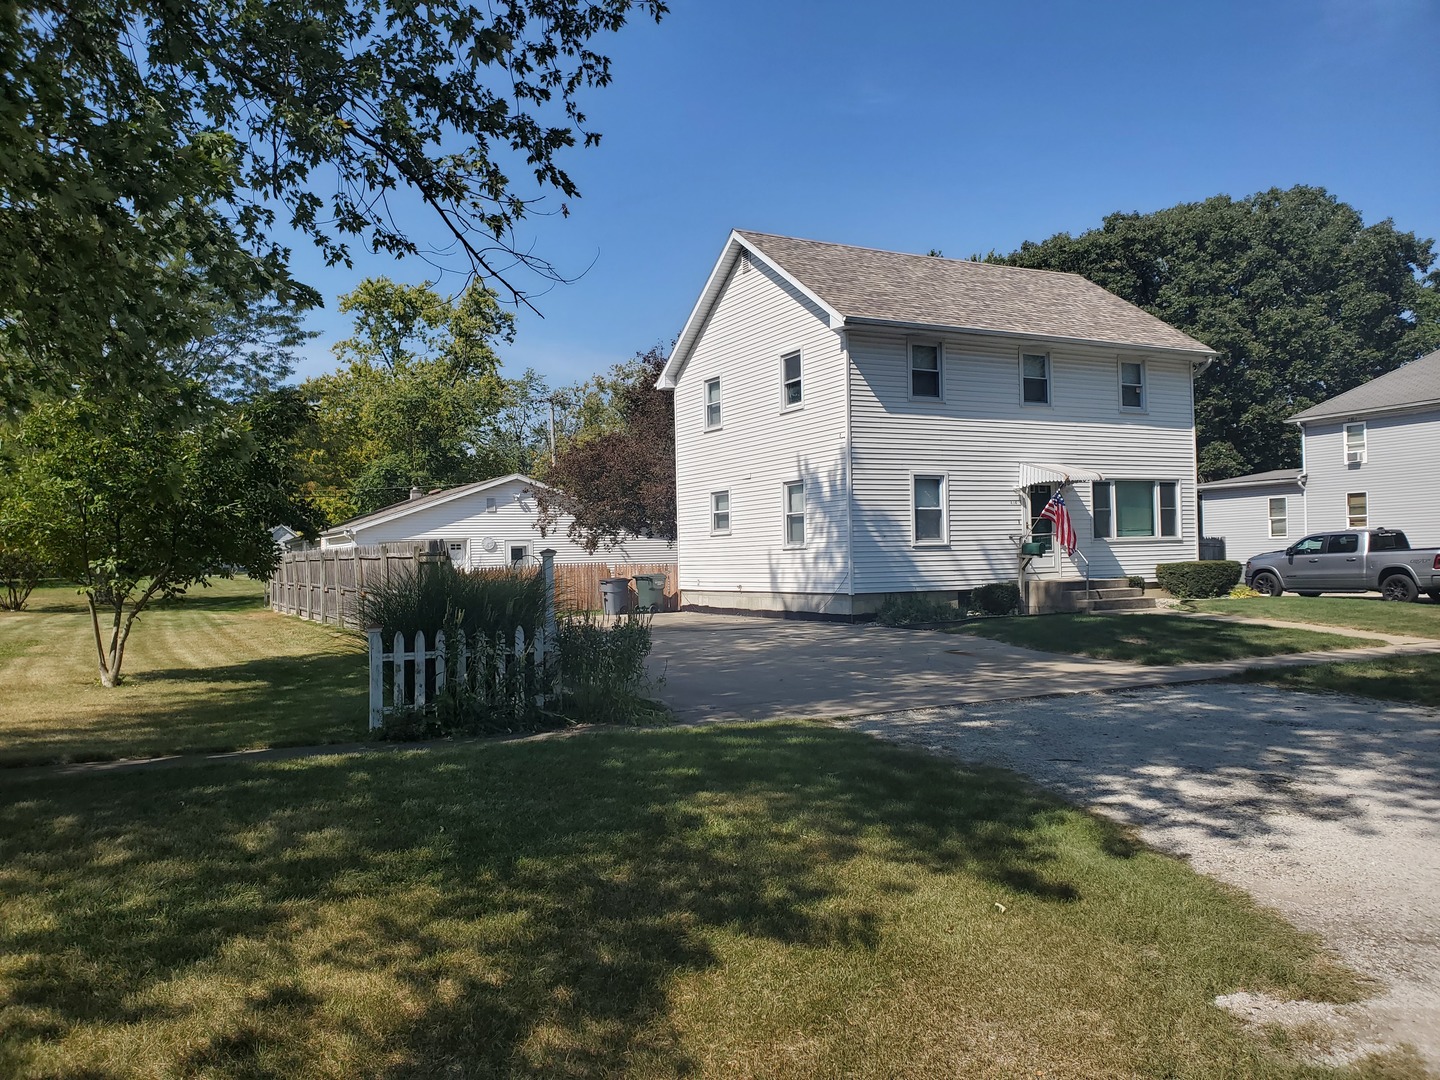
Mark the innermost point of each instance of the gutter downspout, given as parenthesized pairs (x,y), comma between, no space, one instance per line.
(1304,475)
(849,478)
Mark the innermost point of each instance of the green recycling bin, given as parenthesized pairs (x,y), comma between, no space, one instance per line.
(650,592)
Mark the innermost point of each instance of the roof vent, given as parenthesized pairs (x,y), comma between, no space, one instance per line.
(416,493)
(744,260)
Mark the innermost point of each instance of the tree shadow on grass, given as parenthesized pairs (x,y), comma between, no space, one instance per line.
(485,911)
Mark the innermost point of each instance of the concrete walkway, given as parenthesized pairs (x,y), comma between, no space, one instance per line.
(732,667)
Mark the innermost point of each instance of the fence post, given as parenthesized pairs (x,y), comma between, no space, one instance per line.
(547,571)
(419,669)
(377,677)
(439,664)
(398,662)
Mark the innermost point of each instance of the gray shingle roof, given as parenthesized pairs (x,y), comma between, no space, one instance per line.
(1417,383)
(434,498)
(1274,476)
(922,290)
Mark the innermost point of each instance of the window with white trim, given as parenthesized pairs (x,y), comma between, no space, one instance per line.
(1357,510)
(927,501)
(794,507)
(1132,384)
(1279,517)
(1355,443)
(519,553)
(1129,509)
(712,403)
(793,391)
(492,504)
(927,365)
(720,513)
(1035,378)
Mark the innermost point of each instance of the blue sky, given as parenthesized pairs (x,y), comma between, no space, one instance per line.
(958,126)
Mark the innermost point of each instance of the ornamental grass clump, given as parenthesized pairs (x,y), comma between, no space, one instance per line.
(602,670)
(435,596)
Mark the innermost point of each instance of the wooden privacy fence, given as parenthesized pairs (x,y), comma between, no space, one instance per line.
(325,584)
(577,585)
(503,677)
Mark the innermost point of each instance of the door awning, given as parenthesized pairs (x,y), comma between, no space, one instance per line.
(1053,472)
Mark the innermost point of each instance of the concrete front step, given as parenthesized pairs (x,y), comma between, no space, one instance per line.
(1124,603)
(1115,594)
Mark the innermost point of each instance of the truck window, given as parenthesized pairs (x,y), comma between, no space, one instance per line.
(1311,545)
(1389,541)
(1343,544)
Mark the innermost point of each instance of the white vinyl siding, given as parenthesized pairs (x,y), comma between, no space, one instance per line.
(757,320)
(1035,378)
(488,523)
(1398,478)
(1279,516)
(1242,517)
(979,438)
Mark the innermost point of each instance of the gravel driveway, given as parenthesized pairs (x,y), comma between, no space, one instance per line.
(1324,807)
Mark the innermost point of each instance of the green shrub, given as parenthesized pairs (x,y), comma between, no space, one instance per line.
(1135,581)
(1001,598)
(906,609)
(435,595)
(1198,580)
(602,670)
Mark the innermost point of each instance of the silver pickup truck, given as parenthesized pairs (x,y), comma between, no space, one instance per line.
(1356,560)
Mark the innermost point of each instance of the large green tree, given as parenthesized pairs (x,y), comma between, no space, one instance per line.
(135,133)
(1301,299)
(414,398)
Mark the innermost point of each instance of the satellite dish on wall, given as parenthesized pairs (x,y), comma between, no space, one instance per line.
(489,543)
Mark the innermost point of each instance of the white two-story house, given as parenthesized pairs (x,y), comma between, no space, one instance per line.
(853,423)
(1369,457)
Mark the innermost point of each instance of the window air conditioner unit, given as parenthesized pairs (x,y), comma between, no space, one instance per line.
(1354,457)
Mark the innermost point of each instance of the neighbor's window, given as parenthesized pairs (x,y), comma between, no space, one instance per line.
(492,504)
(925,362)
(795,514)
(1279,517)
(720,512)
(790,375)
(1357,510)
(1035,378)
(1132,385)
(712,403)
(1133,508)
(928,498)
(1354,443)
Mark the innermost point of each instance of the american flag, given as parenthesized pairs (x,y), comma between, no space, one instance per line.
(1064,532)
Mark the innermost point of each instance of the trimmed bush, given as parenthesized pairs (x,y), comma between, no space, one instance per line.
(1198,580)
(1135,581)
(905,609)
(1001,598)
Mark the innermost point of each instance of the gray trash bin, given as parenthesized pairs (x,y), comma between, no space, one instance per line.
(615,595)
(650,591)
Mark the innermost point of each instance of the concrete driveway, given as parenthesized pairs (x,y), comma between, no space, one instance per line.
(1324,807)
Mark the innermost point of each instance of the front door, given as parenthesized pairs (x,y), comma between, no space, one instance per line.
(1041,529)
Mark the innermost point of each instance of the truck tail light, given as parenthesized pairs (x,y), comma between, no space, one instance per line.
(1436,565)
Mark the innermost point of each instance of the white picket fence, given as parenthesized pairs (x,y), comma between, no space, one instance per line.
(504,676)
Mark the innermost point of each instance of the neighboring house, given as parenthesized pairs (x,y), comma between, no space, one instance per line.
(1254,514)
(1369,458)
(286,538)
(491,523)
(852,424)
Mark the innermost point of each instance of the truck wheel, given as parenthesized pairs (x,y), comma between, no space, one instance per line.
(1267,585)
(1399,588)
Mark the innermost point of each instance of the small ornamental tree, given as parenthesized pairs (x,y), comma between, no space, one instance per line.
(619,481)
(142,502)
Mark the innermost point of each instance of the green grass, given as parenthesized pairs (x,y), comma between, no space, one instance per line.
(1414,680)
(1152,639)
(730,901)
(215,671)
(1420,619)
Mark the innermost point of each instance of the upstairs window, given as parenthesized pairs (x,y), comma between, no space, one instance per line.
(720,513)
(1357,510)
(1355,444)
(925,370)
(492,504)
(795,514)
(1132,385)
(790,377)
(1035,378)
(1279,518)
(712,403)
(928,501)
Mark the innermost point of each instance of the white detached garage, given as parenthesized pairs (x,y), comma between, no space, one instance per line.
(487,524)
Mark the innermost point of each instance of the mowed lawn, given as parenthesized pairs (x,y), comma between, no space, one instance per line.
(1153,639)
(731,901)
(216,671)
(1420,619)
